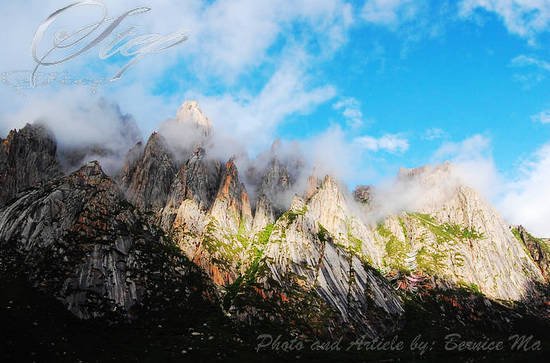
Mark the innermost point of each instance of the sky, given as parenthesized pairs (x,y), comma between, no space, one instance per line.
(366,87)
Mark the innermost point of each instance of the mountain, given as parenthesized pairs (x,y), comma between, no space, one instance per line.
(27,158)
(80,240)
(148,174)
(180,236)
(456,234)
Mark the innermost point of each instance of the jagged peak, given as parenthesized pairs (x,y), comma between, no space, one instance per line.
(35,129)
(156,142)
(313,184)
(190,113)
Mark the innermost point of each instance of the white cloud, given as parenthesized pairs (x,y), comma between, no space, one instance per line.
(330,152)
(524,61)
(474,163)
(471,148)
(526,200)
(522,200)
(526,18)
(228,41)
(255,118)
(434,133)
(389,12)
(542,117)
(351,110)
(80,121)
(392,143)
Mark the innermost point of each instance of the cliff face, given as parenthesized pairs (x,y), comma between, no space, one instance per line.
(196,182)
(147,176)
(456,234)
(302,251)
(82,242)
(273,190)
(538,248)
(27,158)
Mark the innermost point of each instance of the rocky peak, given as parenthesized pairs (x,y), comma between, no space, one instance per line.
(306,249)
(453,232)
(232,206)
(191,114)
(27,158)
(198,180)
(313,184)
(147,178)
(273,194)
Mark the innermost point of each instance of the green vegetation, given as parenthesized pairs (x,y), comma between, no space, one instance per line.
(430,262)
(396,250)
(516,234)
(543,245)
(264,234)
(355,243)
(291,215)
(471,287)
(256,268)
(224,252)
(447,232)
(403,227)
(323,234)
(241,233)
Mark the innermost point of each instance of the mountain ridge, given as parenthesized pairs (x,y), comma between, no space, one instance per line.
(356,271)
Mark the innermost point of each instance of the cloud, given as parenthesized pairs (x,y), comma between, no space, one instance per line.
(542,117)
(255,118)
(537,72)
(526,199)
(474,164)
(411,20)
(526,18)
(230,43)
(88,127)
(351,110)
(524,61)
(331,152)
(393,143)
(389,12)
(434,133)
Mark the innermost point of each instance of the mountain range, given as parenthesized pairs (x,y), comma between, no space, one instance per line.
(180,254)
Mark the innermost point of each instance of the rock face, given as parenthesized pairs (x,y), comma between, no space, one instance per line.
(273,192)
(27,158)
(458,236)
(231,208)
(301,250)
(147,178)
(538,248)
(81,241)
(197,180)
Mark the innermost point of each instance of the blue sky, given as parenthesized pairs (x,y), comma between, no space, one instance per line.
(370,86)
